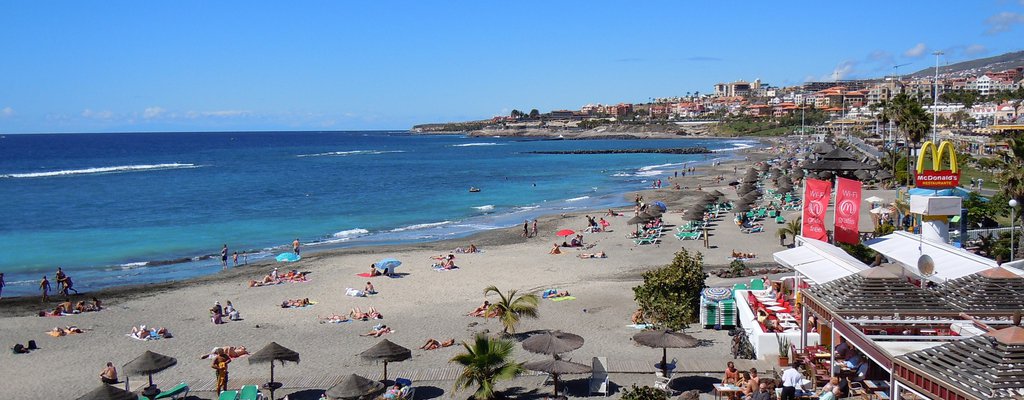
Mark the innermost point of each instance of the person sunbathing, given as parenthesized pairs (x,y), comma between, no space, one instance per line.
(58,331)
(612,213)
(433,344)
(80,307)
(637,317)
(740,254)
(448,263)
(369,289)
(372,313)
(552,293)
(599,254)
(230,351)
(296,303)
(480,311)
(141,332)
(267,280)
(555,250)
(294,276)
(333,318)
(378,331)
(376,272)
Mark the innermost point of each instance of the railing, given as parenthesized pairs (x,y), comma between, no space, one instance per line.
(974,234)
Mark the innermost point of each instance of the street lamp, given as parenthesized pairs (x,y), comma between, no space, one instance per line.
(935,98)
(1013,217)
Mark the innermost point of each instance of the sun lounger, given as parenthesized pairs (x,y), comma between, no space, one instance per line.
(178,392)
(652,239)
(250,392)
(780,219)
(599,376)
(228,395)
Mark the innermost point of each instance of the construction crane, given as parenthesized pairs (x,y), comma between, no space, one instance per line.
(896,70)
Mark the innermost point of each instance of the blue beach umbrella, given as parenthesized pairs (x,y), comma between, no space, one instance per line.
(387,264)
(288,257)
(661,205)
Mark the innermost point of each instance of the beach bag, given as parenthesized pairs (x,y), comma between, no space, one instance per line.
(32,345)
(19,349)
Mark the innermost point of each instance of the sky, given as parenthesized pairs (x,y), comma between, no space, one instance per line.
(141,66)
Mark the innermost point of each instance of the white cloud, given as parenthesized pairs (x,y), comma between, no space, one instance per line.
(152,112)
(6,112)
(841,71)
(1003,22)
(88,113)
(916,51)
(976,49)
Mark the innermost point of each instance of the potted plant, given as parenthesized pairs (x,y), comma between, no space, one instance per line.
(783,349)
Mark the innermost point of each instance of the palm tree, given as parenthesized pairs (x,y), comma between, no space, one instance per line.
(791,229)
(909,117)
(1012,179)
(484,363)
(510,309)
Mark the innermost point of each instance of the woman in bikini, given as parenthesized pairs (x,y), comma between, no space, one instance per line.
(433,344)
(480,311)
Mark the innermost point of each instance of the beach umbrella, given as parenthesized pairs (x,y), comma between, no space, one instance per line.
(149,363)
(639,219)
(651,214)
(108,392)
(880,210)
(734,183)
(742,207)
(556,367)
(665,339)
(874,199)
(693,215)
(751,196)
(288,257)
(565,232)
(717,193)
(386,351)
(387,264)
(553,342)
(883,174)
(661,205)
(270,353)
(862,174)
(354,387)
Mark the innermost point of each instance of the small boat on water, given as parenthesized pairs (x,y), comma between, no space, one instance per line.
(474,189)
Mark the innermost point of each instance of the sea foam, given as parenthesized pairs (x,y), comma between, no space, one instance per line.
(488,207)
(350,233)
(100,170)
(351,153)
(421,226)
(476,144)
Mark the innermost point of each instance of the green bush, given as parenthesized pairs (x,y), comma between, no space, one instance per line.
(643,393)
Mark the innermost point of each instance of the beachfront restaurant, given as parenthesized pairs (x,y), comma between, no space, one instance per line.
(876,325)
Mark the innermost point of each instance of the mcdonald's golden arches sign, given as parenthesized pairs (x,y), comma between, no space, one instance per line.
(936,177)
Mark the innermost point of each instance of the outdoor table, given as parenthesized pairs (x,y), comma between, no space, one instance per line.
(776,308)
(725,389)
(787,325)
(875,385)
(785,317)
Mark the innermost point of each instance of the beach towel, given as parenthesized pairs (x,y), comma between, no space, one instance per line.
(563,298)
(142,339)
(442,269)
(640,326)
(366,275)
(354,292)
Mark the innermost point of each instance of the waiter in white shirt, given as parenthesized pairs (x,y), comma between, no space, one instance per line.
(791,379)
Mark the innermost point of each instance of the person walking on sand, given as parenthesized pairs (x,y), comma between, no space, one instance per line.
(526,228)
(44,286)
(534,231)
(295,246)
(220,364)
(224,256)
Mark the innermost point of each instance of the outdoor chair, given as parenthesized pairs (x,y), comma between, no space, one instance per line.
(178,392)
(228,395)
(250,392)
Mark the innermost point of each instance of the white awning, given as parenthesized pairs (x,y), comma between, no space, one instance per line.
(819,261)
(950,262)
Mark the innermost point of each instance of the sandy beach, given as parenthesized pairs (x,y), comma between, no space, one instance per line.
(421,304)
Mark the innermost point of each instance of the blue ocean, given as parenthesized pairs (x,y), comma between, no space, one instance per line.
(126,208)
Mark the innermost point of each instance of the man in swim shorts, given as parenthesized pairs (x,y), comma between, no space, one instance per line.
(295,246)
(224,256)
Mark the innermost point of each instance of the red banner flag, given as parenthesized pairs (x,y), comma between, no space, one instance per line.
(817,194)
(847,216)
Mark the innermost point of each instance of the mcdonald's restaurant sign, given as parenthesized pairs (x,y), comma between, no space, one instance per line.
(936,177)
